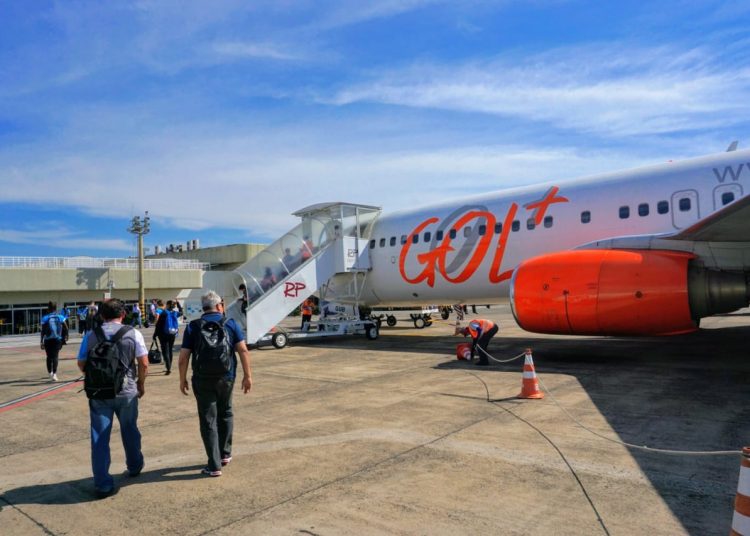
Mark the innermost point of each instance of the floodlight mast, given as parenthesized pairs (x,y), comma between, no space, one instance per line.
(140,227)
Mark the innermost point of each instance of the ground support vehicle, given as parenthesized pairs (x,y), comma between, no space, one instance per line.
(420,316)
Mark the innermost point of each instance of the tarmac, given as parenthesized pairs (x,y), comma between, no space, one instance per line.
(395,436)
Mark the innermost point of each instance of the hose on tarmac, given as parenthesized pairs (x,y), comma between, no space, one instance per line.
(645,448)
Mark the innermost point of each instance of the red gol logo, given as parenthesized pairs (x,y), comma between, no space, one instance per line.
(291,290)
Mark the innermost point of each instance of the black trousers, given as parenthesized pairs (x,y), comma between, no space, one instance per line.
(483,342)
(214,398)
(305,318)
(167,347)
(52,349)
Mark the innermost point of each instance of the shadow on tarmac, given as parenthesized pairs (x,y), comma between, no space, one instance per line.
(684,392)
(28,383)
(82,490)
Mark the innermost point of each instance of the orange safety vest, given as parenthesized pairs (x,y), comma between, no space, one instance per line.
(307,307)
(478,326)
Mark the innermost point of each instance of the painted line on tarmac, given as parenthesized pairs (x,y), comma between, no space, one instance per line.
(28,399)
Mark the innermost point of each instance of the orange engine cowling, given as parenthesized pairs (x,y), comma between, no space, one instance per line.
(604,292)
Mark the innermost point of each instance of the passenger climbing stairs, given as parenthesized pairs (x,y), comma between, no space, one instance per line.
(331,240)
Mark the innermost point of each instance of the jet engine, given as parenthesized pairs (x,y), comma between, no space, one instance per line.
(621,292)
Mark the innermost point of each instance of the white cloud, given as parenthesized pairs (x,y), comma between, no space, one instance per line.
(615,91)
(345,13)
(62,239)
(253,182)
(242,50)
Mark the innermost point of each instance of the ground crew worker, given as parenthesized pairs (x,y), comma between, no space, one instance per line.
(307,311)
(481,332)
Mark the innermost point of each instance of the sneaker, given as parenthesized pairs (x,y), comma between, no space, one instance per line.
(226,460)
(133,474)
(50,377)
(209,472)
(54,377)
(103,494)
(168,372)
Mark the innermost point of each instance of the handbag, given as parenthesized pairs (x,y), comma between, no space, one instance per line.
(154,354)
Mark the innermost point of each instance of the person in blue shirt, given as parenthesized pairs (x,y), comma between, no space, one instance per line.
(54,335)
(166,316)
(82,312)
(214,394)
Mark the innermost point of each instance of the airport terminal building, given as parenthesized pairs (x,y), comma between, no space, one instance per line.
(27,284)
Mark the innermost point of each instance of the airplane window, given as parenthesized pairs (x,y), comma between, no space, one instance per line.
(684,204)
(393,241)
(382,242)
(427,236)
(482,230)
(643,209)
(530,224)
(439,235)
(624,213)
(515,226)
(467,231)
(498,228)
(548,221)
(662,207)
(403,239)
(452,233)
(372,244)
(727,197)
(415,239)
(585,216)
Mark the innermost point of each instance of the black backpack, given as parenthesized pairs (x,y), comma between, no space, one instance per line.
(104,372)
(213,353)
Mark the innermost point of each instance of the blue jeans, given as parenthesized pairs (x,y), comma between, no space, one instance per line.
(102,412)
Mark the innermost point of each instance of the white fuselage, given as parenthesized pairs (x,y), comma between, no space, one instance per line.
(475,267)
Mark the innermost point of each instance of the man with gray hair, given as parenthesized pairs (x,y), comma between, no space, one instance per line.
(212,342)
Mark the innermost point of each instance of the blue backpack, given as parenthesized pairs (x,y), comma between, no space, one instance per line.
(54,327)
(172,323)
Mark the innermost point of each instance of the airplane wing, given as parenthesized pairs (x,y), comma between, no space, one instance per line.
(730,224)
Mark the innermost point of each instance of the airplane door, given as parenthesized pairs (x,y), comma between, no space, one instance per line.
(726,193)
(685,210)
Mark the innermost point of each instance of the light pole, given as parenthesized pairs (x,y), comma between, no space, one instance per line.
(140,227)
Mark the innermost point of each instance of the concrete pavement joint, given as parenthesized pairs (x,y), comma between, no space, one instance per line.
(349,476)
(37,523)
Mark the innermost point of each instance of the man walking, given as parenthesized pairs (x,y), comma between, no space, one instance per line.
(54,335)
(137,315)
(107,401)
(166,328)
(481,332)
(92,317)
(82,312)
(212,342)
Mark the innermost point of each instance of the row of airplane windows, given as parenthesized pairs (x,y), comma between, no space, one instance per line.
(662,207)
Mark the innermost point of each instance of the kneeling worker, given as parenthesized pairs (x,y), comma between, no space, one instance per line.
(481,332)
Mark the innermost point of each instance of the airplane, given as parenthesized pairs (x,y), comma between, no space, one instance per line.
(648,251)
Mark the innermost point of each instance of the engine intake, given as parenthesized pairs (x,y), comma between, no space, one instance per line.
(621,292)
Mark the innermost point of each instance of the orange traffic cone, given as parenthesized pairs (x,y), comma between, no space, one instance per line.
(463,351)
(530,383)
(741,518)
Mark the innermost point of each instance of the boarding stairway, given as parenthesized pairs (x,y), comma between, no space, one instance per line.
(329,243)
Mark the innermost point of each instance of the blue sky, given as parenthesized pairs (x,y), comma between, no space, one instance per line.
(221,118)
